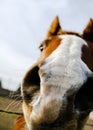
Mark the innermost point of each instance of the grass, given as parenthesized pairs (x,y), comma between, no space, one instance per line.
(10,105)
(7,119)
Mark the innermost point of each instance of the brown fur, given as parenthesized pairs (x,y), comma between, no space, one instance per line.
(55,28)
(88,31)
(50,45)
(87,55)
(20,123)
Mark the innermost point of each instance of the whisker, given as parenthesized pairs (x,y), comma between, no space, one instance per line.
(17,104)
(11,104)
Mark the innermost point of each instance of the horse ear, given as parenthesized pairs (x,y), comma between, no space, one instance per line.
(88,31)
(55,28)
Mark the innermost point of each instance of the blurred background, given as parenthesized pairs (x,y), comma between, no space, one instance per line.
(23,25)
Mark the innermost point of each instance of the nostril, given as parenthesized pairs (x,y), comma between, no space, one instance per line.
(26,96)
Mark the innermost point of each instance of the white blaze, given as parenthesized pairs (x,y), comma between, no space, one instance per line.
(63,70)
(64,67)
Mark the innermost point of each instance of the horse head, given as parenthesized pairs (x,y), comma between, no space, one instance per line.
(57,89)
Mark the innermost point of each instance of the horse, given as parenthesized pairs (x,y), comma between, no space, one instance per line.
(57,90)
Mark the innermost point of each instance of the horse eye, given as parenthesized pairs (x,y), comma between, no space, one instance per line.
(42,47)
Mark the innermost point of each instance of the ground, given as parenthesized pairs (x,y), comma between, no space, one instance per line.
(7,120)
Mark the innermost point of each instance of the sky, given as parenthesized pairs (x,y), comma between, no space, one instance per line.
(24,24)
